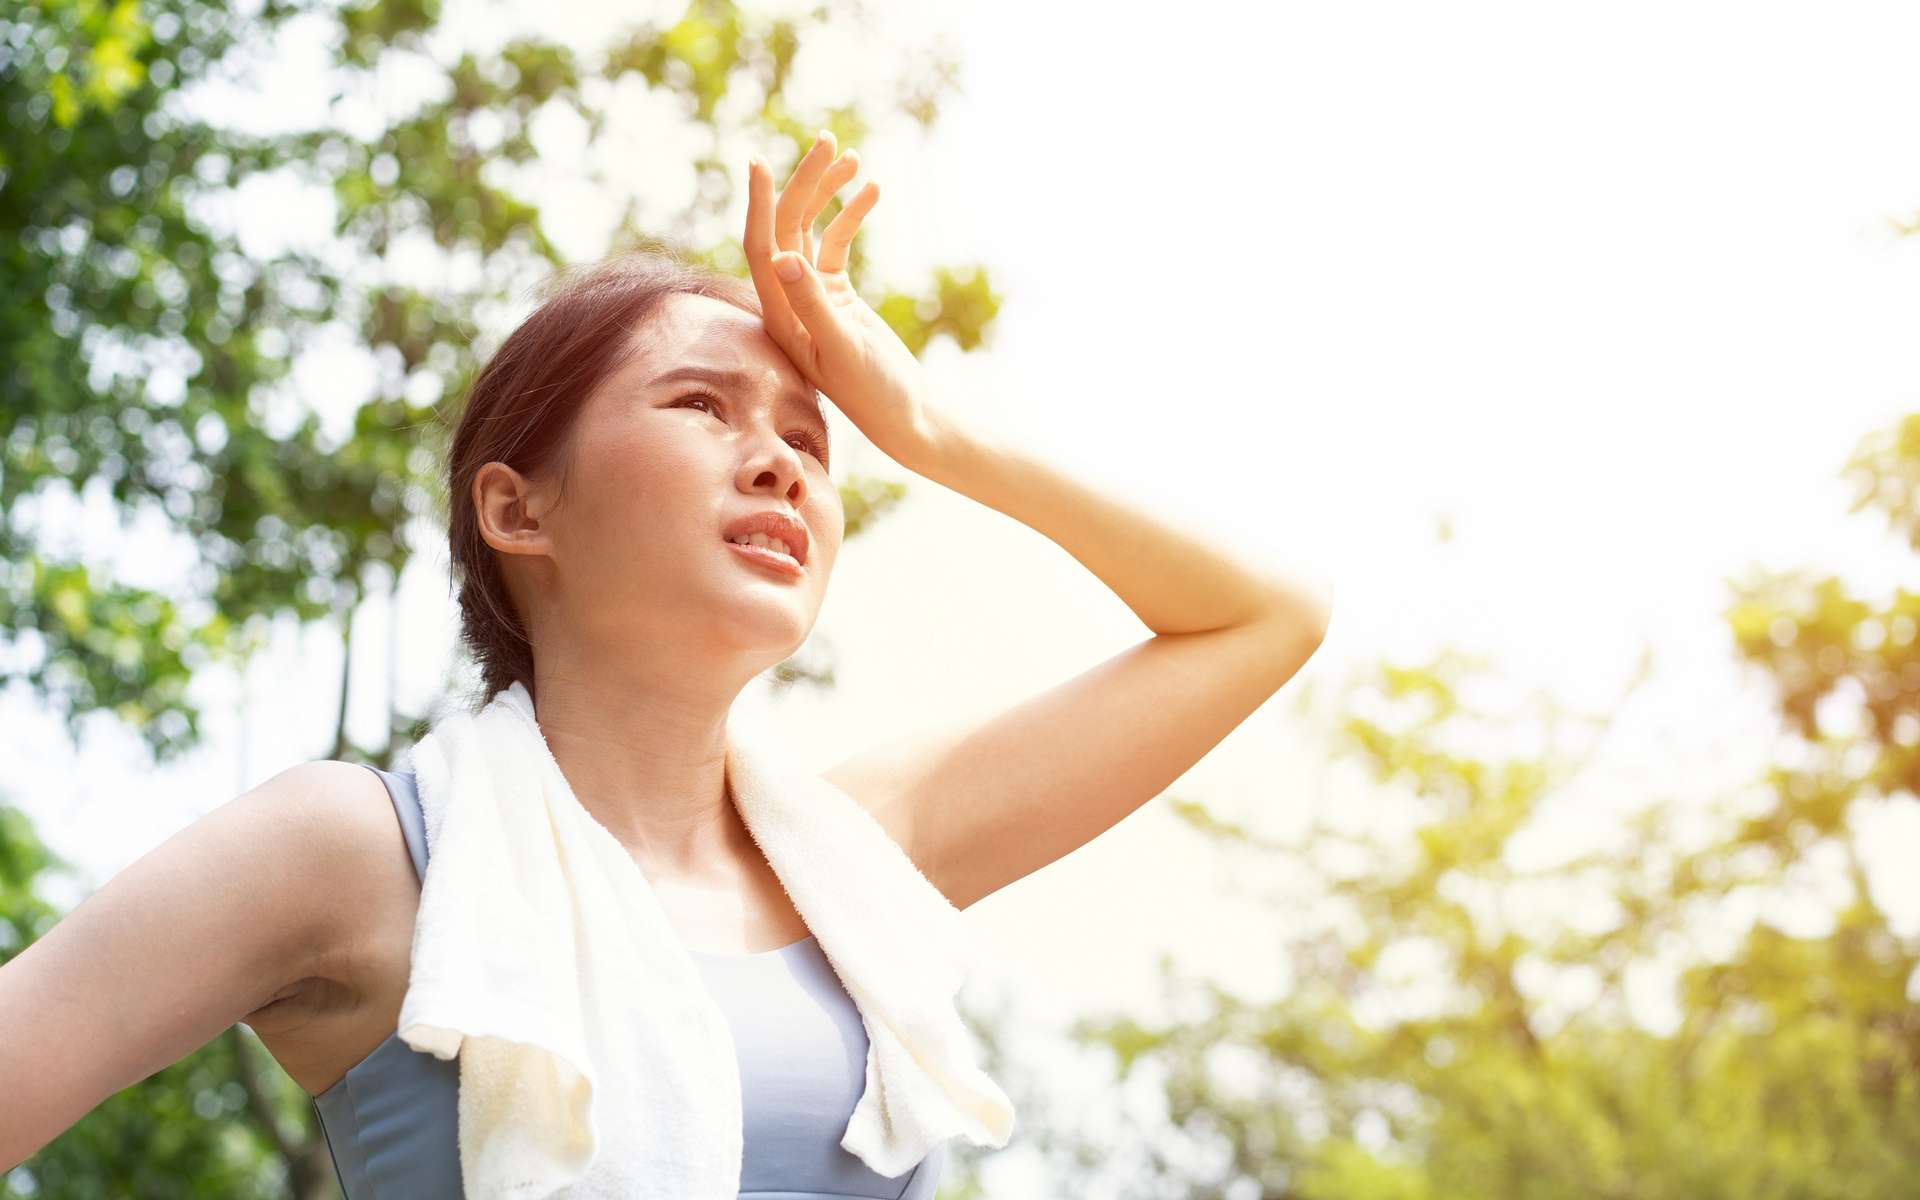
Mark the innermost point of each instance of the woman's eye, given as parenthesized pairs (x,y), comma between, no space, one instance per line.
(807,443)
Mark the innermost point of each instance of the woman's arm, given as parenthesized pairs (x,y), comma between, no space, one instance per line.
(987,800)
(237,908)
(990,799)
(1174,580)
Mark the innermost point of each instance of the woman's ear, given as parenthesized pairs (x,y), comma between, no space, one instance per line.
(507,507)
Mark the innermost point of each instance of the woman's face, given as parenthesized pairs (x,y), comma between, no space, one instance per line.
(662,467)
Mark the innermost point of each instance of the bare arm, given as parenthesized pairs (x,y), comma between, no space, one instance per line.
(996,796)
(207,927)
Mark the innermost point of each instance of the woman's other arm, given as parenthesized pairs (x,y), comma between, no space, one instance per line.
(218,920)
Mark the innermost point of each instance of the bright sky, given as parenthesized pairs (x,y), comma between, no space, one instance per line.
(1610,291)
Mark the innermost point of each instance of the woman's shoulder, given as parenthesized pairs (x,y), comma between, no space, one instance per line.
(367,884)
(356,843)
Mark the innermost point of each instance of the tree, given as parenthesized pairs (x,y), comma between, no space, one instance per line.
(151,363)
(1792,1065)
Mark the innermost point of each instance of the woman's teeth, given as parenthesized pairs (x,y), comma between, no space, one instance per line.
(765,543)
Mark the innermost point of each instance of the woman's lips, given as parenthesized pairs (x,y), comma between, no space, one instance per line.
(771,560)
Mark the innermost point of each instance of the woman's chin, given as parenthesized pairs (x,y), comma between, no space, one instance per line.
(760,618)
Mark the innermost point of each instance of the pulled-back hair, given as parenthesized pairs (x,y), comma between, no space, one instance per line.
(523,405)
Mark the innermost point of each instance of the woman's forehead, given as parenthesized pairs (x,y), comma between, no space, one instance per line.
(716,337)
(686,325)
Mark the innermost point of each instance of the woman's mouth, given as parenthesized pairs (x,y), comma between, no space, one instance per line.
(769,559)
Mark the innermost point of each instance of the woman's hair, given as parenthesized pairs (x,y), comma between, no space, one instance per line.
(523,405)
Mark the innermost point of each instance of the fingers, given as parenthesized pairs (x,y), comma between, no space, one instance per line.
(783,225)
(839,232)
(791,215)
(835,178)
(809,299)
(782,324)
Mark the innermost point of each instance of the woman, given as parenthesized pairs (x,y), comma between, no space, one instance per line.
(643,522)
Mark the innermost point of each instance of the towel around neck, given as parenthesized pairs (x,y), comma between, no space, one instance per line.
(593,1060)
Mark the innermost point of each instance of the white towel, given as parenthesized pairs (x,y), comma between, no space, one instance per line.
(593,1060)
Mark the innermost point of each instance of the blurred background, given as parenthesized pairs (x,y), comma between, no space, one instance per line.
(1577,345)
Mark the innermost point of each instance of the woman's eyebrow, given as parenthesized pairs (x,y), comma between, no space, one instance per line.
(738,381)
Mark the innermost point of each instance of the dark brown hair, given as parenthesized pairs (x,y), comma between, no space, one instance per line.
(524,404)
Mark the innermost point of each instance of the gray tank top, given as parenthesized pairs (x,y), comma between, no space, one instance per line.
(391,1123)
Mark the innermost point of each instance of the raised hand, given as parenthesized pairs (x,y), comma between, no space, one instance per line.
(834,337)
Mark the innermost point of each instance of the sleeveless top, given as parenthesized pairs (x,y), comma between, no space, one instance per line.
(391,1123)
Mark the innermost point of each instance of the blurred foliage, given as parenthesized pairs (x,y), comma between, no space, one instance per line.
(1459,1021)
(147,369)
(149,359)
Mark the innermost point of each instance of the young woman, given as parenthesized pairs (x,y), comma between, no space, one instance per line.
(642,521)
